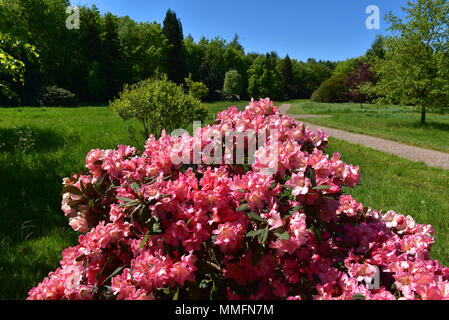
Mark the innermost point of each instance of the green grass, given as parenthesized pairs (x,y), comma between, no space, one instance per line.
(34,231)
(388,122)
(217,106)
(38,147)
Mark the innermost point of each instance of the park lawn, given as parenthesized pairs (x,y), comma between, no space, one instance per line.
(38,147)
(389,122)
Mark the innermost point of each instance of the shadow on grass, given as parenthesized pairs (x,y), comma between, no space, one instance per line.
(30,191)
(433,125)
(26,139)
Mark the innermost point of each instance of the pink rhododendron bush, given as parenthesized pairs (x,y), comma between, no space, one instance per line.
(152,228)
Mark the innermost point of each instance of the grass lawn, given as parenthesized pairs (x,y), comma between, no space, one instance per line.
(38,147)
(388,122)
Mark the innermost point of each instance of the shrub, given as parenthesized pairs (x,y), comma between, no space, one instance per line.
(54,96)
(332,90)
(198,90)
(232,87)
(158,102)
(154,228)
(361,77)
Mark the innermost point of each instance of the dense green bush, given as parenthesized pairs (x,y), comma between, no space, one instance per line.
(54,96)
(232,87)
(158,104)
(198,90)
(332,90)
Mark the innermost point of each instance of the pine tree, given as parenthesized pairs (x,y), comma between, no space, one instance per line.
(111,49)
(176,60)
(287,77)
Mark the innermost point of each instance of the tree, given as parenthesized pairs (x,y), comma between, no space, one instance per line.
(232,87)
(360,77)
(196,89)
(345,66)
(144,49)
(287,77)
(332,90)
(263,80)
(112,56)
(194,56)
(158,104)
(377,49)
(12,68)
(176,62)
(415,70)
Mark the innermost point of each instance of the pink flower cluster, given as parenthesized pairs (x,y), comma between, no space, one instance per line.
(152,229)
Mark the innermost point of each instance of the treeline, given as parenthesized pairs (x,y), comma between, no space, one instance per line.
(106,52)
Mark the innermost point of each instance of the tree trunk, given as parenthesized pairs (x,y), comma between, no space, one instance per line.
(423,114)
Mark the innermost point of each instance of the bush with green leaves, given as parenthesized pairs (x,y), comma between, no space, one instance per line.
(232,87)
(332,90)
(198,90)
(13,53)
(158,104)
(54,96)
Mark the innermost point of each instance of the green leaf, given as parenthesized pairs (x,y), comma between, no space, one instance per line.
(72,189)
(176,296)
(312,176)
(295,209)
(213,291)
(255,216)
(113,274)
(264,236)
(75,203)
(204,283)
(283,236)
(242,207)
(145,239)
(255,233)
(358,296)
(135,187)
(127,199)
(322,187)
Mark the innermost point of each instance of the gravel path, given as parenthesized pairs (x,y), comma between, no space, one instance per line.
(429,157)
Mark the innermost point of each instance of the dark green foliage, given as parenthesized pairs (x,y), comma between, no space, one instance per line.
(57,97)
(332,90)
(377,49)
(198,90)
(176,62)
(287,78)
(264,80)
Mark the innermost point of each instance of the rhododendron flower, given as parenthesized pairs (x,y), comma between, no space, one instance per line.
(299,183)
(155,227)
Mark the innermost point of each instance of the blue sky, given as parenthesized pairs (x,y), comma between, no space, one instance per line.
(320,29)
